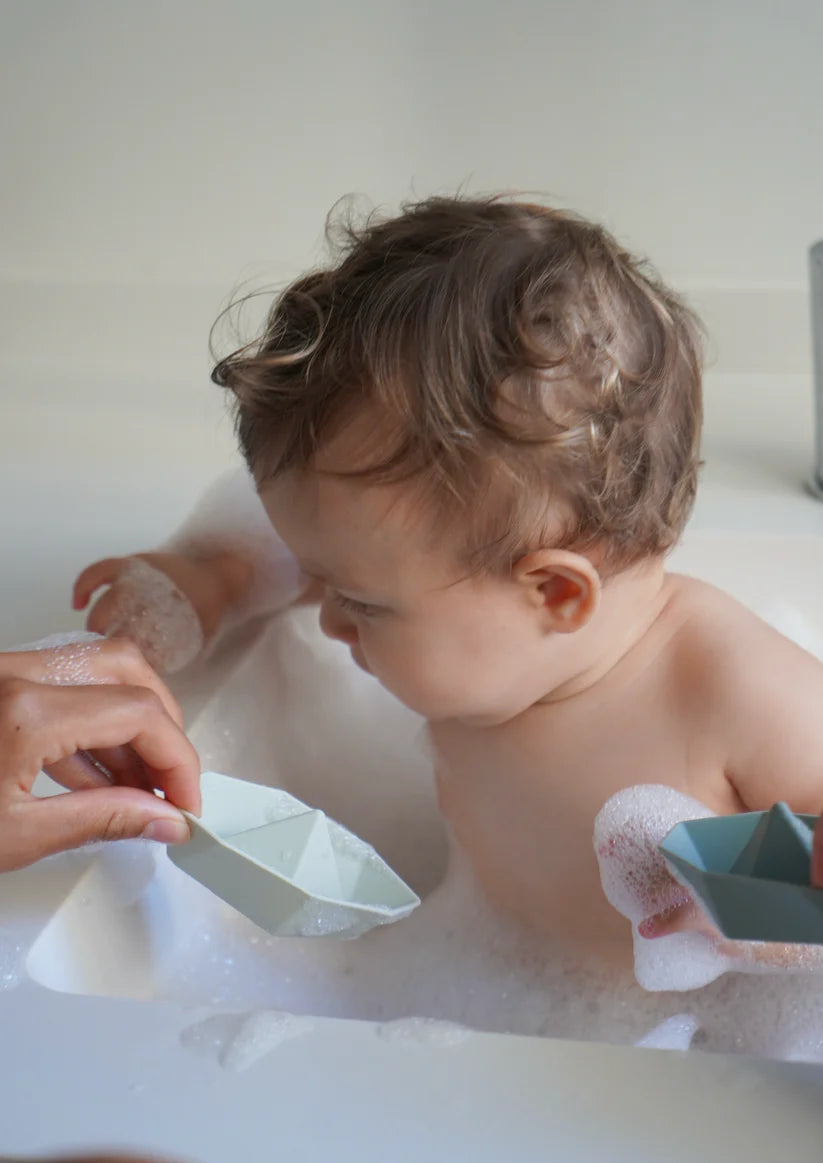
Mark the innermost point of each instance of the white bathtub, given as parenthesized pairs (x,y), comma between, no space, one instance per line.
(96,1044)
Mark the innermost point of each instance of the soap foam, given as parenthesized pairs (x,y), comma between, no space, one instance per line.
(69,657)
(454,963)
(317,918)
(150,609)
(638,883)
(675,1033)
(352,751)
(11,961)
(238,1041)
(438,1035)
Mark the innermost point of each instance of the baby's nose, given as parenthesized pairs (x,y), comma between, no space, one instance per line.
(335,623)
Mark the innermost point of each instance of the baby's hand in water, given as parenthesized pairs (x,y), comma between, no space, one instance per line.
(167,603)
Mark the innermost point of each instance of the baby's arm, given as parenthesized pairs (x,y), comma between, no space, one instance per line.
(224,566)
(781,757)
(170,604)
(772,721)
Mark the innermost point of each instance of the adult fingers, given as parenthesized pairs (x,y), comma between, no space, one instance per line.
(41,827)
(101,660)
(42,725)
(101,768)
(79,772)
(123,766)
(169,760)
(122,661)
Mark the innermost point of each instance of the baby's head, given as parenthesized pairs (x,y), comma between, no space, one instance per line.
(479,413)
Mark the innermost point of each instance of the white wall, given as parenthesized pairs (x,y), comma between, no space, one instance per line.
(179,140)
(176,146)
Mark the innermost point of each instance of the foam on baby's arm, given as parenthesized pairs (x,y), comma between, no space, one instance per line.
(224,566)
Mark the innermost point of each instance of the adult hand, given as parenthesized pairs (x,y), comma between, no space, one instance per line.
(59,706)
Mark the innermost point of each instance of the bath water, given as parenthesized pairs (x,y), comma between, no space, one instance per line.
(292,711)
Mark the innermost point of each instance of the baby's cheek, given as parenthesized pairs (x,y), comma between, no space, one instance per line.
(388,659)
(416,674)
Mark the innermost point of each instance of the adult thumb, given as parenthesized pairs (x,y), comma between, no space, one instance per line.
(55,823)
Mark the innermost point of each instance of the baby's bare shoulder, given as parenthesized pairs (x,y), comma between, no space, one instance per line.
(735,663)
(712,630)
(757,693)
(706,614)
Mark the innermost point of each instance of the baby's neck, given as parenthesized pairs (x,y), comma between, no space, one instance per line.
(632,602)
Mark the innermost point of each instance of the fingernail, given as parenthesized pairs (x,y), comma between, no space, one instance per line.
(166,831)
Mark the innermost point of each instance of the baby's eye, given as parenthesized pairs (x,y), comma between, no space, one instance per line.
(361,609)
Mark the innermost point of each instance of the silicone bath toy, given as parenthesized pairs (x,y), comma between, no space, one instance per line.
(751,872)
(287,867)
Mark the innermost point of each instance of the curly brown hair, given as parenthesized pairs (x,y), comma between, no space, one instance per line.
(515,358)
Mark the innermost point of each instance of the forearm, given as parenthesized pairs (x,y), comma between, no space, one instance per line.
(224,566)
(229,529)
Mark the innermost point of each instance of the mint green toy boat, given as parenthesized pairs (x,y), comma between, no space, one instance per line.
(287,867)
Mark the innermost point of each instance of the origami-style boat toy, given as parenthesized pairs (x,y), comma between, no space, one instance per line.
(287,867)
(752,873)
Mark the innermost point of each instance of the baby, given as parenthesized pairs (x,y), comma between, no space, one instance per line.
(477,434)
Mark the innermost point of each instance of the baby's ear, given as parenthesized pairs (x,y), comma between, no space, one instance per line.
(564,586)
